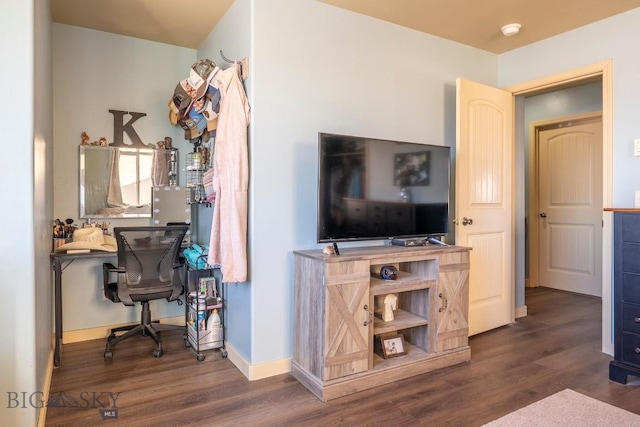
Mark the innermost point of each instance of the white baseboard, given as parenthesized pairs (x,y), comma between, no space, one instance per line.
(46,386)
(103,331)
(521,311)
(252,372)
(257,372)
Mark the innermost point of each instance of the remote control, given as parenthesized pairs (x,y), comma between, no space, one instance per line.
(435,241)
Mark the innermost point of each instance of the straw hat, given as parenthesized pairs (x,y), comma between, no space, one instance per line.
(91,238)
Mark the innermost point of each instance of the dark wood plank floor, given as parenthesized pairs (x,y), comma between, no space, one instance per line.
(557,346)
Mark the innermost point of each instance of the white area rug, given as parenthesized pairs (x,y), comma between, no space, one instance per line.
(568,408)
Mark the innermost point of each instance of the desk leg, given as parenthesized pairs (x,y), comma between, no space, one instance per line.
(57,269)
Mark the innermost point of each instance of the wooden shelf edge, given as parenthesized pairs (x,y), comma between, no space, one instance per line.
(405,282)
(403,320)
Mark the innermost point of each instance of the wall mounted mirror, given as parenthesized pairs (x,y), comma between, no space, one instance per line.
(115,182)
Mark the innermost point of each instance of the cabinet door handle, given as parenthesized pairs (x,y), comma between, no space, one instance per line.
(636,319)
(370,319)
(637,350)
(445,302)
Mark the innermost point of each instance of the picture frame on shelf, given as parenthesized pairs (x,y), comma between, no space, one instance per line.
(392,346)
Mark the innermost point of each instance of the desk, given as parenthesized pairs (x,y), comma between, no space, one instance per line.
(57,259)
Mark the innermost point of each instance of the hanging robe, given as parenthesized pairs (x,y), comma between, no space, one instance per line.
(228,240)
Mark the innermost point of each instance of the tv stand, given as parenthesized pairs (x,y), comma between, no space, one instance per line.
(338,325)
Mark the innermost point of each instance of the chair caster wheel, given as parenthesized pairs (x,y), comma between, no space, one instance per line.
(157,353)
(200,357)
(108,355)
(223,352)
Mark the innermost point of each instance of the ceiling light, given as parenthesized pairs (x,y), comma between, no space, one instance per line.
(511,29)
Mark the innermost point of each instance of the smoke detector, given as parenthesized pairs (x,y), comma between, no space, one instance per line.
(511,29)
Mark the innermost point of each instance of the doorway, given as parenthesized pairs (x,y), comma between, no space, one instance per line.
(596,72)
(565,203)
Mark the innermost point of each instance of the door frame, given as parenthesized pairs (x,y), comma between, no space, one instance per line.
(599,71)
(533,225)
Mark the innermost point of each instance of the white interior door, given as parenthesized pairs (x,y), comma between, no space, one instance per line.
(570,206)
(484,200)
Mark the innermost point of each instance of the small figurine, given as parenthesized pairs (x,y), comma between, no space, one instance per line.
(164,144)
(103,141)
(85,139)
(390,304)
(328,250)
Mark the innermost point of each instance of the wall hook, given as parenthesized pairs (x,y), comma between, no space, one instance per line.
(225,58)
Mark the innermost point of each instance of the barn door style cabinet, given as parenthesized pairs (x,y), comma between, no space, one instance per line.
(339,323)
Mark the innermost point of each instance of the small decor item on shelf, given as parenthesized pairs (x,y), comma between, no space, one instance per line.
(388,272)
(392,346)
(85,139)
(102,142)
(390,303)
(384,306)
(328,250)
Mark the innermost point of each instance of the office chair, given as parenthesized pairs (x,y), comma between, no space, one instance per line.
(149,268)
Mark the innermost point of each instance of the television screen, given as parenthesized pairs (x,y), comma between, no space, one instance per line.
(372,189)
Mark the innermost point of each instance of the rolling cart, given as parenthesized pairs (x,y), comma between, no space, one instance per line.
(204,312)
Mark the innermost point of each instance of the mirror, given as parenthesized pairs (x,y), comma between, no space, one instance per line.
(115,182)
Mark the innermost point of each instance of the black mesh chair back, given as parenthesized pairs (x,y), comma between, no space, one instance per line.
(150,259)
(149,268)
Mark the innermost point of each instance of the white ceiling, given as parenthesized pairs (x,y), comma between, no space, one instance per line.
(472,22)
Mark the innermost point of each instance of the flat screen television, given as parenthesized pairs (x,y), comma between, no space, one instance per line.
(372,189)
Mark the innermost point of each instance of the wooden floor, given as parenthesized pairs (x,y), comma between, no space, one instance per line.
(556,347)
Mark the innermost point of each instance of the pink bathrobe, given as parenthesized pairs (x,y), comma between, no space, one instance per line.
(228,241)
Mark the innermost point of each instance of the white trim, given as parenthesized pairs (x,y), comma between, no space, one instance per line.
(604,71)
(46,387)
(521,311)
(257,372)
(99,332)
(252,372)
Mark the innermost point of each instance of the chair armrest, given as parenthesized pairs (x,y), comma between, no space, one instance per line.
(108,269)
(110,278)
(109,273)
(111,267)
